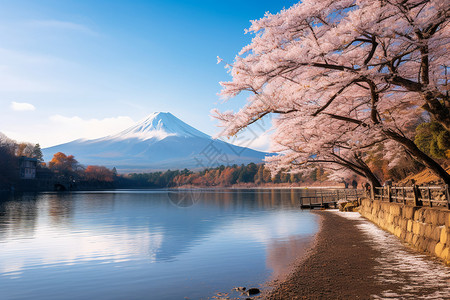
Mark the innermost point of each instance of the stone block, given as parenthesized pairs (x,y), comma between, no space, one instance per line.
(396,209)
(416,228)
(444,235)
(428,231)
(445,254)
(434,217)
(403,224)
(438,249)
(398,231)
(408,238)
(447,219)
(431,246)
(422,243)
(415,239)
(436,236)
(390,227)
(427,216)
(408,212)
(422,229)
(390,219)
(441,221)
(376,205)
(390,209)
(403,235)
(418,215)
(409,225)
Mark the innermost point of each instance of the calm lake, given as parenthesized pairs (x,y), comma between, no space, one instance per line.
(135,244)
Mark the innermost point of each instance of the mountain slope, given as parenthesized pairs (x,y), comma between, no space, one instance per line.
(160,142)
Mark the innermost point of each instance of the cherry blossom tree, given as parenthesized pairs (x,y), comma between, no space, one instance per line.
(345,76)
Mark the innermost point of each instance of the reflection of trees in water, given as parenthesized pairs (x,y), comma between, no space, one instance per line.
(282,253)
(60,209)
(19,212)
(251,198)
(18,215)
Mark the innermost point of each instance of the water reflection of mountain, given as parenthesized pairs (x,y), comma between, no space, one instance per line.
(133,213)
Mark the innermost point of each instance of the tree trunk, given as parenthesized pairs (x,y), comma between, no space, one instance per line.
(419,155)
(359,167)
(439,111)
(372,178)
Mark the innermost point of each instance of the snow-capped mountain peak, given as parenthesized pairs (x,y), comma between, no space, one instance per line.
(159,125)
(159,142)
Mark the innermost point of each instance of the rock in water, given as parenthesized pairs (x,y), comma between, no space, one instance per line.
(252,291)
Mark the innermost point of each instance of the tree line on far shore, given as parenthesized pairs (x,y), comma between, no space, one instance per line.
(223,176)
(61,168)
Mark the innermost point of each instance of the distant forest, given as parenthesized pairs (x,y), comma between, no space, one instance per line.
(223,176)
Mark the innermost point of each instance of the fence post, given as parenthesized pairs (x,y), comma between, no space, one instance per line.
(389,193)
(404,196)
(429,197)
(447,192)
(372,192)
(416,195)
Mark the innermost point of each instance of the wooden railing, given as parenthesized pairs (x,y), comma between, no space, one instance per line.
(414,195)
(326,197)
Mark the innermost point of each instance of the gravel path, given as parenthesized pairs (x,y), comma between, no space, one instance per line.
(354,259)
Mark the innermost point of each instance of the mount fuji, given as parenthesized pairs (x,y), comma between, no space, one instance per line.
(159,142)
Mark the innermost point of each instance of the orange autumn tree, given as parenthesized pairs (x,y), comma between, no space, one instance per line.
(99,173)
(63,163)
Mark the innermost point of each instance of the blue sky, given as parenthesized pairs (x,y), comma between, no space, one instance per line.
(73,69)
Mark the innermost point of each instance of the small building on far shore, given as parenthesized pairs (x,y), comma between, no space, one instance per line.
(27,167)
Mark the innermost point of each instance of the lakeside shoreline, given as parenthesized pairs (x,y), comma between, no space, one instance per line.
(324,273)
(352,258)
(271,286)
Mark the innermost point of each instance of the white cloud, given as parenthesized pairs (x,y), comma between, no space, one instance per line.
(22,106)
(58,129)
(71,128)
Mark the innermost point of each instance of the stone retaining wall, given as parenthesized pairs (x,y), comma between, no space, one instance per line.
(424,228)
